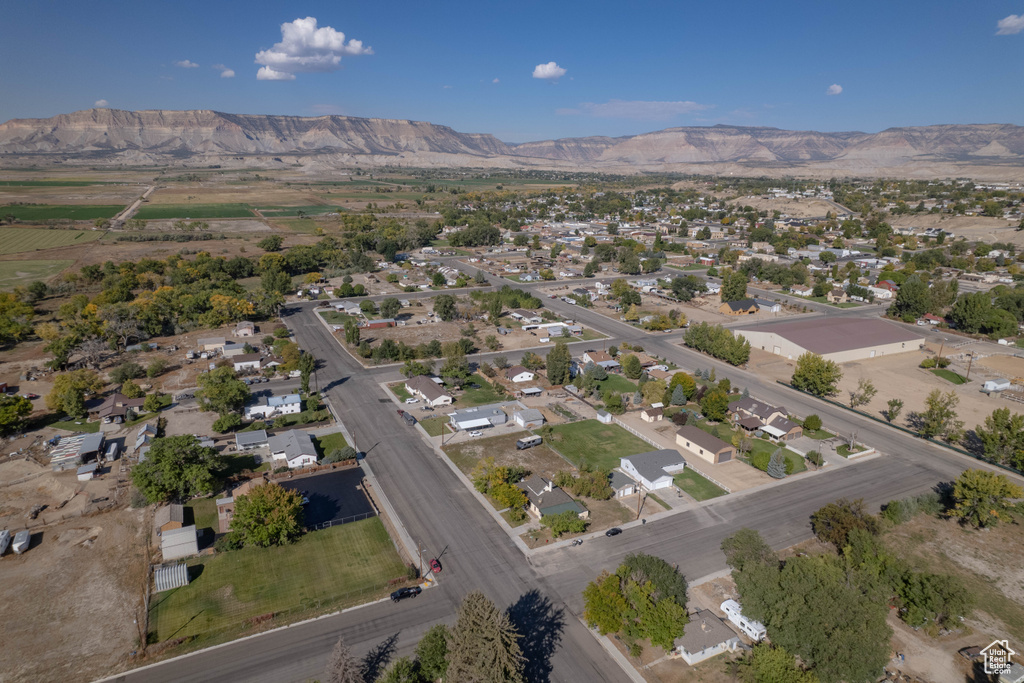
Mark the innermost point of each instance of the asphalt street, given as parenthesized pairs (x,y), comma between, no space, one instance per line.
(439,512)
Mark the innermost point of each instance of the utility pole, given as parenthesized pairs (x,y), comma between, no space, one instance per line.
(970,360)
(639,500)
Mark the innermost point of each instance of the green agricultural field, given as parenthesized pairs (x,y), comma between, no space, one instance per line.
(323,572)
(194,211)
(34,213)
(600,445)
(18,240)
(14,273)
(283,211)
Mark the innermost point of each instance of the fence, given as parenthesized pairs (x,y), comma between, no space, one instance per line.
(905,430)
(342,520)
(660,446)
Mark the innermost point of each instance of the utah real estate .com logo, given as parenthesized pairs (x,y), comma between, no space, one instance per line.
(997,657)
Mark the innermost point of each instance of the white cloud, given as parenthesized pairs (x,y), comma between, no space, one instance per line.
(186,64)
(1010,25)
(305,48)
(495,81)
(550,71)
(834,89)
(636,109)
(101,104)
(227,73)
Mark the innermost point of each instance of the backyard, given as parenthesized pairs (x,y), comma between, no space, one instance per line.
(234,592)
(478,391)
(697,486)
(617,383)
(595,444)
(329,442)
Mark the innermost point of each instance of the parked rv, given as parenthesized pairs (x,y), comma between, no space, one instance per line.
(21,540)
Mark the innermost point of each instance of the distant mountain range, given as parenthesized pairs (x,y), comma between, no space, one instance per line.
(111,136)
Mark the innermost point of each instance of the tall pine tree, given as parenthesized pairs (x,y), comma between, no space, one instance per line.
(484,645)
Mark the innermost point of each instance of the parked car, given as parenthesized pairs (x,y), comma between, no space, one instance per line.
(435,566)
(410,401)
(476,433)
(403,593)
(30,396)
(614,531)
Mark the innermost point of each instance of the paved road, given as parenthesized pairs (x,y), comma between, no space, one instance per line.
(438,511)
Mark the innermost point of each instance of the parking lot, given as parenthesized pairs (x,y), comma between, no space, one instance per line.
(332,496)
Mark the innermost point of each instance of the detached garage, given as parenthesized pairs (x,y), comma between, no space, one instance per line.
(840,340)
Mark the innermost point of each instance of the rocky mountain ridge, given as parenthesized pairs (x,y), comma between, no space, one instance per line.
(204,136)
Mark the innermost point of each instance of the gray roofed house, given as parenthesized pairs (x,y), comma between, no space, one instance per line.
(622,484)
(295,447)
(547,499)
(529,418)
(170,576)
(783,429)
(431,392)
(655,469)
(245,441)
(750,407)
(481,416)
(704,637)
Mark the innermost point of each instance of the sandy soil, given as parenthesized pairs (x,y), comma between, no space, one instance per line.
(76,591)
(90,194)
(972,227)
(225,225)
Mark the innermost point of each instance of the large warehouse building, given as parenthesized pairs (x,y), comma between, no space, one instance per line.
(839,339)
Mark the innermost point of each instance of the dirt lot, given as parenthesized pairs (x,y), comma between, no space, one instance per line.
(77,588)
(88,194)
(796,208)
(894,376)
(973,228)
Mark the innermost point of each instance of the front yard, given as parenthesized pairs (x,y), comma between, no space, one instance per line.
(232,593)
(329,442)
(697,486)
(595,444)
(435,426)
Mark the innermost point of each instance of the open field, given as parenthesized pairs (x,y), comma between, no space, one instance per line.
(796,208)
(45,212)
(324,571)
(18,240)
(537,460)
(14,273)
(194,211)
(50,183)
(598,445)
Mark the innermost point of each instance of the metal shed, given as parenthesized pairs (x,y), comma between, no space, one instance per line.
(167,577)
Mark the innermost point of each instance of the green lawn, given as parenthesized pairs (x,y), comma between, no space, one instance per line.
(820,434)
(724,431)
(194,211)
(599,445)
(80,426)
(479,392)
(590,335)
(13,273)
(335,317)
(697,486)
(204,513)
(309,210)
(329,442)
(949,375)
(399,390)
(324,571)
(844,450)
(823,300)
(617,383)
(33,213)
(435,425)
(18,240)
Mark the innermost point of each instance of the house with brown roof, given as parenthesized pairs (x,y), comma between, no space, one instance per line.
(602,358)
(741,307)
(517,373)
(432,393)
(705,636)
(706,447)
(749,407)
(654,413)
(783,429)
(168,517)
(837,295)
(116,406)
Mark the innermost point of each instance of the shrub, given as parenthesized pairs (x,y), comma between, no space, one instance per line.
(281,470)
(680,418)
(225,423)
(229,541)
(760,461)
(812,423)
(815,458)
(156,367)
(282,332)
(339,454)
(942,362)
(125,371)
(258,424)
(928,363)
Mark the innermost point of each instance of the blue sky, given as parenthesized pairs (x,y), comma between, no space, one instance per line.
(619,68)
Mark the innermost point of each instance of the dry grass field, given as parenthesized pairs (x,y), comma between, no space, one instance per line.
(18,240)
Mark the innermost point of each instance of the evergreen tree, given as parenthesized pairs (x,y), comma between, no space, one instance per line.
(484,645)
(678,396)
(558,362)
(777,465)
(432,652)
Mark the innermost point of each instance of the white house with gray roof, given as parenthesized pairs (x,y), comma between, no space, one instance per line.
(529,418)
(654,470)
(293,448)
(289,404)
(247,441)
(481,416)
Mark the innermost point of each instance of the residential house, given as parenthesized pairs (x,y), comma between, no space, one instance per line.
(654,413)
(530,418)
(116,406)
(547,499)
(801,290)
(178,543)
(768,306)
(741,307)
(880,293)
(705,446)
(476,418)
(713,287)
(246,361)
(837,295)
(293,448)
(654,470)
(621,483)
(525,316)
(273,406)
(517,373)
(704,637)
(888,284)
(168,517)
(245,329)
(601,358)
(432,393)
(247,441)
(783,429)
(749,407)
(233,349)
